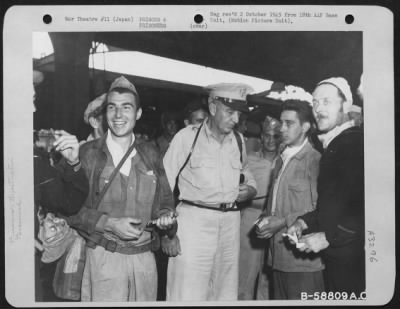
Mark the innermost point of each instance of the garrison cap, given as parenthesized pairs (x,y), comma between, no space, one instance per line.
(93,106)
(122,82)
(231,94)
(271,124)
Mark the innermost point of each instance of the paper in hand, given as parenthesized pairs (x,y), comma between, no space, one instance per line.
(294,239)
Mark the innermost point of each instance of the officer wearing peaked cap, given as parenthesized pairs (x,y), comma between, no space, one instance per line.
(232,95)
(207,161)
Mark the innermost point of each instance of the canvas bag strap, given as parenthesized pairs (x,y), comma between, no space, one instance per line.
(240,144)
(190,152)
(114,173)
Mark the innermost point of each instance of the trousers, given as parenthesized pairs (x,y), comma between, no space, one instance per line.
(290,285)
(345,277)
(207,268)
(112,276)
(253,281)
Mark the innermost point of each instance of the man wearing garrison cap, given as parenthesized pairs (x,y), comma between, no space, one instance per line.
(207,161)
(119,263)
(337,226)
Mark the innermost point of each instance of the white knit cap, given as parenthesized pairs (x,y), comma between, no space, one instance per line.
(342,85)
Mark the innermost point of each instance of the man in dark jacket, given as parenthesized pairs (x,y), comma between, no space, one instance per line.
(337,225)
(119,263)
(60,190)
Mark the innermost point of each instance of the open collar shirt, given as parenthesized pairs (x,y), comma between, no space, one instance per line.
(328,137)
(213,171)
(117,153)
(287,154)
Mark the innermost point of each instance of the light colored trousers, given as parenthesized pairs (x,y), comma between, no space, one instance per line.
(208,266)
(112,276)
(253,281)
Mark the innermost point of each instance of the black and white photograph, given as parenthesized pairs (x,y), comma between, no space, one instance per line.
(201,164)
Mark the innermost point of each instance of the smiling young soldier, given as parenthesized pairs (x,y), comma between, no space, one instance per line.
(209,220)
(119,264)
(294,192)
(337,227)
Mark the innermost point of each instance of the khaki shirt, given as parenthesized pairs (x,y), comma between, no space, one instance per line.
(213,171)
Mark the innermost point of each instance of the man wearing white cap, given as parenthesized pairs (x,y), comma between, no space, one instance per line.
(94,117)
(337,226)
(206,162)
(120,265)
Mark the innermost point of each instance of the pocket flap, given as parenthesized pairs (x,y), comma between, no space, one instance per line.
(298,186)
(196,162)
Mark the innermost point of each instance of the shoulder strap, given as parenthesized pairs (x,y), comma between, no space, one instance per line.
(190,152)
(114,173)
(240,144)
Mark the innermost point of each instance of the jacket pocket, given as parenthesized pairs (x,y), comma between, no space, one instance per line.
(146,188)
(299,195)
(114,191)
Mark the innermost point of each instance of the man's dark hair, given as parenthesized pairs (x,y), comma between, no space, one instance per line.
(304,112)
(194,106)
(124,90)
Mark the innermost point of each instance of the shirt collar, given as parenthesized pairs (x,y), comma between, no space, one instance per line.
(328,137)
(117,153)
(114,146)
(290,152)
(90,137)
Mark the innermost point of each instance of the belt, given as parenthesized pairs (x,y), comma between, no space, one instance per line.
(113,246)
(220,207)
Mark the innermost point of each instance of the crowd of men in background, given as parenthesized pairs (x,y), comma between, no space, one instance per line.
(206,212)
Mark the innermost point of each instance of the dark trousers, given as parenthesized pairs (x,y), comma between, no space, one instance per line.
(162,266)
(345,277)
(44,275)
(290,285)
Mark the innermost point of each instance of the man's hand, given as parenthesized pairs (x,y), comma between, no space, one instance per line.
(314,242)
(166,222)
(67,145)
(125,227)
(297,228)
(268,229)
(246,192)
(171,247)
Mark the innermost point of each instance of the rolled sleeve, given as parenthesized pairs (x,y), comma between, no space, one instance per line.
(173,160)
